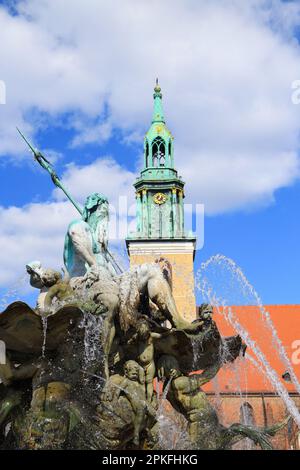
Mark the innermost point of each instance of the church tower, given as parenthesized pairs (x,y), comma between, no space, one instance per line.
(160,235)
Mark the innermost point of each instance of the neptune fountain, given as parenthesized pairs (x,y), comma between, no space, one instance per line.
(81,366)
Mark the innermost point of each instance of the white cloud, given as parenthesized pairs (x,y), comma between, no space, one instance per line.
(35,231)
(226,69)
(103,175)
(238,180)
(95,133)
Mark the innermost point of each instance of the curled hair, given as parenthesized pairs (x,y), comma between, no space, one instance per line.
(50,277)
(99,199)
(129,299)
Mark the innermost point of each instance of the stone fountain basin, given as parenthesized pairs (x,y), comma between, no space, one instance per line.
(21,329)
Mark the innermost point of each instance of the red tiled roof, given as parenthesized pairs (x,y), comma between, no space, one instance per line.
(244,375)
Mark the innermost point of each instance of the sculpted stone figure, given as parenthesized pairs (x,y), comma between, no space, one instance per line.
(187,397)
(55,393)
(50,411)
(133,387)
(87,238)
(126,297)
(35,271)
(62,403)
(123,412)
(52,286)
(144,340)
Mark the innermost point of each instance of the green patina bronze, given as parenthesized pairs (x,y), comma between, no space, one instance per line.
(48,167)
(42,160)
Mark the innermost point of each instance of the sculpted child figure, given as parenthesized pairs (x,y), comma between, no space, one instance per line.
(35,271)
(133,387)
(51,286)
(145,353)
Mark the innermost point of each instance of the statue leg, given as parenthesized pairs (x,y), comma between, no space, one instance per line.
(149,376)
(138,424)
(160,293)
(139,409)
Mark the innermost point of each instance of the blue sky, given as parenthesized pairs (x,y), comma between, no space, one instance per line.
(79,83)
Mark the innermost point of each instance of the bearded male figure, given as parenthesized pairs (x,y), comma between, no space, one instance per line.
(87,238)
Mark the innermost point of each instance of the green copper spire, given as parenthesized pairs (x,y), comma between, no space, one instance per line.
(159,189)
(158,144)
(158,114)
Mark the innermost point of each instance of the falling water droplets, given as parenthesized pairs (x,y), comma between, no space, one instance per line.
(212,281)
(173,432)
(13,292)
(44,320)
(93,350)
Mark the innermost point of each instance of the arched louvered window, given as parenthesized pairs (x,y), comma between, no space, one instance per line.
(158,152)
(247,414)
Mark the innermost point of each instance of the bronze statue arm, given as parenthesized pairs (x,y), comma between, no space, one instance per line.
(50,296)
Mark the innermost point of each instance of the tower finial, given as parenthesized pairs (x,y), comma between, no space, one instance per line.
(158,115)
(157,88)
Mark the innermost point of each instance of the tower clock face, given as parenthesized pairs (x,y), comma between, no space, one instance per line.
(159,198)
